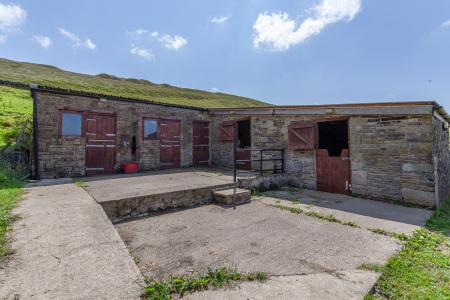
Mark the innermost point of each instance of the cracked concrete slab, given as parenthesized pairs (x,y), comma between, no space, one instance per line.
(253,237)
(342,286)
(366,213)
(66,248)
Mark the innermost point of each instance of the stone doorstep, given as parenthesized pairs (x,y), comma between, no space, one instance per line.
(232,196)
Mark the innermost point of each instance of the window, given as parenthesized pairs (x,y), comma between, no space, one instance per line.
(150,129)
(71,124)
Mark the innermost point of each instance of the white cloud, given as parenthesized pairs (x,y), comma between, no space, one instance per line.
(278,32)
(76,41)
(44,41)
(214,90)
(174,42)
(12,16)
(89,44)
(142,52)
(220,20)
(445,24)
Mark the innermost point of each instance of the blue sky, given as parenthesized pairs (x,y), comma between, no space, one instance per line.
(280,51)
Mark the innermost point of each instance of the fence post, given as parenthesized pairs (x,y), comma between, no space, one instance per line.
(261,162)
(234,151)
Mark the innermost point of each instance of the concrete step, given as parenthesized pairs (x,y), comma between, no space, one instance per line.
(232,196)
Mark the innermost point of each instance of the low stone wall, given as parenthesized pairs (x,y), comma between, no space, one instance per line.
(269,182)
(121,209)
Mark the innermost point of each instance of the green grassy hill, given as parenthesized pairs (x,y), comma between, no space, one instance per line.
(110,85)
(16,104)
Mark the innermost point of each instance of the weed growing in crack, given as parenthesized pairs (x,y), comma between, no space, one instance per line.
(374,267)
(215,278)
(330,218)
(79,183)
(399,236)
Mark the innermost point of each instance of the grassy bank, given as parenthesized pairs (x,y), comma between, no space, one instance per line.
(422,268)
(16,107)
(24,72)
(10,191)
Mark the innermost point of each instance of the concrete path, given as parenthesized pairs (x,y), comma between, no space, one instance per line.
(66,248)
(366,213)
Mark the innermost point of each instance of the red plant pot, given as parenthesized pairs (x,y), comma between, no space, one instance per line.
(131,167)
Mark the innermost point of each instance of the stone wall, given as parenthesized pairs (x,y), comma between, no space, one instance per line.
(391,157)
(65,156)
(441,160)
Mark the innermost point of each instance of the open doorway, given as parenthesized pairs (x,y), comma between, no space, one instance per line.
(332,157)
(333,136)
(244,143)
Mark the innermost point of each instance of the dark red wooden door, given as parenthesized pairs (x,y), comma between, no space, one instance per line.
(333,172)
(100,144)
(200,143)
(169,136)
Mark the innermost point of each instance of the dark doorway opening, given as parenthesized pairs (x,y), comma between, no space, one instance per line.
(244,143)
(333,136)
(244,134)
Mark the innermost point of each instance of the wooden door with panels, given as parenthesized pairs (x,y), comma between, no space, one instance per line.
(169,137)
(100,144)
(330,140)
(200,143)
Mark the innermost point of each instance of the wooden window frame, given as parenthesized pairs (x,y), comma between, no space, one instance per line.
(83,121)
(143,128)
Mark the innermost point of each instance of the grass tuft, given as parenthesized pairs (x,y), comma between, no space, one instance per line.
(80,183)
(295,201)
(374,267)
(397,235)
(215,278)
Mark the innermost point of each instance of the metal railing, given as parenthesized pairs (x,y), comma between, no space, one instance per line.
(256,165)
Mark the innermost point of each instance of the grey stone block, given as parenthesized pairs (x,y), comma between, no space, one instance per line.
(418,197)
(359,177)
(423,168)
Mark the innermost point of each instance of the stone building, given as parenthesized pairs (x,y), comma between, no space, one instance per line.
(383,151)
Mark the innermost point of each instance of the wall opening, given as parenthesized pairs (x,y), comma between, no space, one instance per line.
(244,134)
(333,136)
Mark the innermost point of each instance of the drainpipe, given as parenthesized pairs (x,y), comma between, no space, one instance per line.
(34,88)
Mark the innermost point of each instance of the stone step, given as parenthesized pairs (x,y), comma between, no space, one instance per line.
(232,196)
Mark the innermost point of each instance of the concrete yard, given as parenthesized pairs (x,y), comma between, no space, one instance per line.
(66,247)
(258,237)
